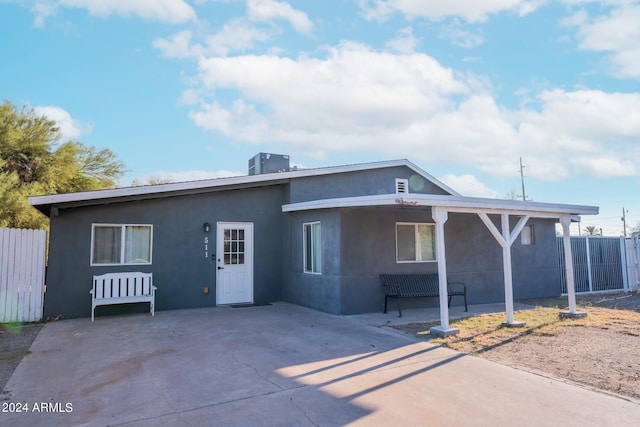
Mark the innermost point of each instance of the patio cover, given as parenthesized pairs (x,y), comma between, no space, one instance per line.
(442,205)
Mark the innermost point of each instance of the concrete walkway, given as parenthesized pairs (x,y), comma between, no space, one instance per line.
(278,365)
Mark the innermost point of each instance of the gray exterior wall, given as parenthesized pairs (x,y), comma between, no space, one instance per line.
(357,245)
(318,291)
(367,248)
(344,286)
(362,183)
(180,269)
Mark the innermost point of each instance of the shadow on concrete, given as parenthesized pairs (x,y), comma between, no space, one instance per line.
(275,365)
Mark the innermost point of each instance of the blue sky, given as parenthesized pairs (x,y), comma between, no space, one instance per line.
(191,89)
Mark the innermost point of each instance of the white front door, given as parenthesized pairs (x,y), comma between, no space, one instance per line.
(234,259)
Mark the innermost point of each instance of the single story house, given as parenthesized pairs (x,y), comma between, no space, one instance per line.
(313,237)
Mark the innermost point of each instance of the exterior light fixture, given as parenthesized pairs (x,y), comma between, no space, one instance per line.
(207,227)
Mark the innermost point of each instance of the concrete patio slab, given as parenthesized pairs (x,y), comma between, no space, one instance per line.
(277,365)
(431,314)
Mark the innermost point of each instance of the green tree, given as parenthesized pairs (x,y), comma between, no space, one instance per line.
(152,180)
(33,162)
(592,230)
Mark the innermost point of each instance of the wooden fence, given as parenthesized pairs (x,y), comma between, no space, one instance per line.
(22,269)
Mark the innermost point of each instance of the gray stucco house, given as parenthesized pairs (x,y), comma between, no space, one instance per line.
(315,237)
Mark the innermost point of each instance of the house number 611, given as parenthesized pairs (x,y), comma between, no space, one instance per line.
(206,246)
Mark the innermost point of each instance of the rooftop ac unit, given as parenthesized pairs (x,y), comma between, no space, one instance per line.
(268,163)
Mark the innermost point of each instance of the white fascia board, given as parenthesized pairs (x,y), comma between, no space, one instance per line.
(450,203)
(166,188)
(221,182)
(432,179)
(146,190)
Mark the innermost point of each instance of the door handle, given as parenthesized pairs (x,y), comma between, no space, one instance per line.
(220,268)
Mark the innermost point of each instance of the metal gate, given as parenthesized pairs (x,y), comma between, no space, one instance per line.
(599,264)
(22,267)
(633,261)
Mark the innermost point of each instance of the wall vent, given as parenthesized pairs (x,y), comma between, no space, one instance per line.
(402,186)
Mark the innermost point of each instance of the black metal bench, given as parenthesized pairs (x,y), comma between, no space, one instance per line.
(414,285)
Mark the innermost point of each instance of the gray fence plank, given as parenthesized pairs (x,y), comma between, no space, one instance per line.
(599,263)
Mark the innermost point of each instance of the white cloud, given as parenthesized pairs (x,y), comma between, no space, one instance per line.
(70,128)
(190,97)
(42,11)
(405,42)
(268,10)
(170,11)
(469,185)
(176,46)
(409,105)
(585,131)
(617,34)
(459,36)
(241,120)
(235,36)
(437,10)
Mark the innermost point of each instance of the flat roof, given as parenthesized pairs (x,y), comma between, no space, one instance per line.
(455,203)
(87,198)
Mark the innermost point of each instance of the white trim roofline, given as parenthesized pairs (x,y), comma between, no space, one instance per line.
(46,201)
(455,203)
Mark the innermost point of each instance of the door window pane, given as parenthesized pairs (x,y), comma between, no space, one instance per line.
(233,246)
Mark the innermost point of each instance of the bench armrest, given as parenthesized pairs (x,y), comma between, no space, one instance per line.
(457,287)
(391,289)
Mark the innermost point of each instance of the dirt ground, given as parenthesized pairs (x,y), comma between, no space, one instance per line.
(601,352)
(15,341)
(607,358)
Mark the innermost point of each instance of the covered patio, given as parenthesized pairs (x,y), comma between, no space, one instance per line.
(494,213)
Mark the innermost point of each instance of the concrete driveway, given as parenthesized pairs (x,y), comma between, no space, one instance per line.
(277,365)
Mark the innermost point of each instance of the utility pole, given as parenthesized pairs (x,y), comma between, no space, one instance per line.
(624,222)
(524,196)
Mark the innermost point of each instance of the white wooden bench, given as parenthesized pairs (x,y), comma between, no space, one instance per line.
(122,288)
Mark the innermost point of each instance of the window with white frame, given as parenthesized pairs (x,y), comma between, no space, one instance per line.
(312,248)
(117,244)
(527,236)
(415,242)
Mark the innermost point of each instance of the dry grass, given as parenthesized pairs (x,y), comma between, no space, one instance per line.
(599,351)
(482,333)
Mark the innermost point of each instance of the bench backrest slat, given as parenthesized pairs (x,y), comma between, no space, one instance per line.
(98,288)
(412,283)
(115,285)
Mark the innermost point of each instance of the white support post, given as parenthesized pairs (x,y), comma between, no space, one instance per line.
(506,239)
(440,216)
(565,221)
(587,249)
(625,269)
(508,275)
